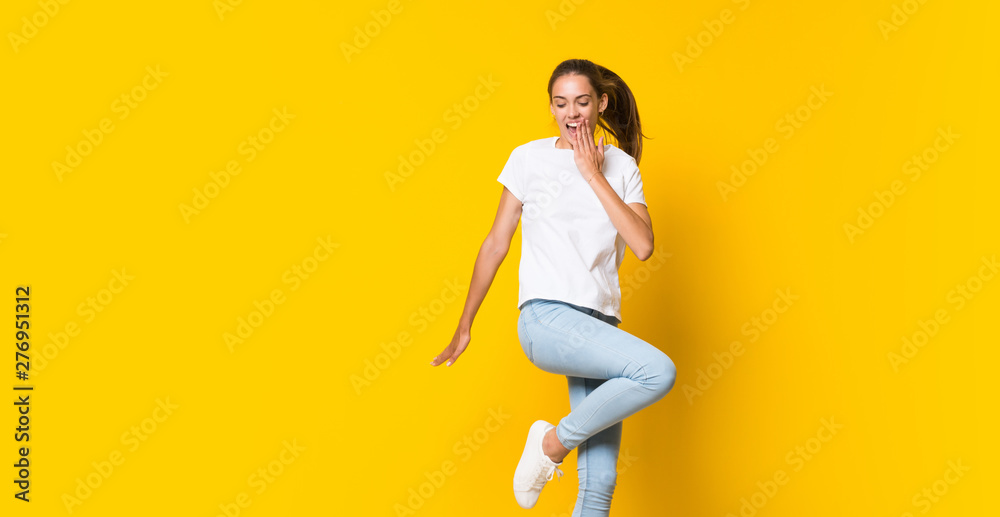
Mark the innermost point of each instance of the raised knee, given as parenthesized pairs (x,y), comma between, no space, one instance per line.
(662,375)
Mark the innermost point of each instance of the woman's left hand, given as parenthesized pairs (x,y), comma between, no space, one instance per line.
(589,158)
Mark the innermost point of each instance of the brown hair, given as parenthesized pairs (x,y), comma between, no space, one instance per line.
(621,117)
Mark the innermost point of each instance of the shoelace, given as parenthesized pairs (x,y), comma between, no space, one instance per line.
(540,478)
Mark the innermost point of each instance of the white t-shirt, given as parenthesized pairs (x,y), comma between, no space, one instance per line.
(570,250)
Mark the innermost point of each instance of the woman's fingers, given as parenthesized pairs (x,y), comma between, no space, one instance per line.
(589,139)
(450,354)
(453,357)
(445,354)
(585,152)
(587,143)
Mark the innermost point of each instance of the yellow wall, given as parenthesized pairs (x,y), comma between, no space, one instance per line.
(240,144)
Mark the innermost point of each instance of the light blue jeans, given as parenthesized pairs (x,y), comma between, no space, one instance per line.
(611,373)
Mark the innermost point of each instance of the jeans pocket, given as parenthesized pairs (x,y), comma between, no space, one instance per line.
(522,335)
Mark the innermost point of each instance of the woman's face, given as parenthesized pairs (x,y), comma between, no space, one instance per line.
(573,101)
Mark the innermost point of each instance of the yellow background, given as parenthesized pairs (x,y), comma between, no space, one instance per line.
(364,449)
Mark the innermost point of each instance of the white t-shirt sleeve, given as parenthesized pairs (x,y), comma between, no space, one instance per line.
(633,183)
(512,175)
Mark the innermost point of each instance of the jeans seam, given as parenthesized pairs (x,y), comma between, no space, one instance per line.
(531,307)
(531,356)
(531,350)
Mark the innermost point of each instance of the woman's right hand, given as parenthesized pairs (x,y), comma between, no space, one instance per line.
(459,342)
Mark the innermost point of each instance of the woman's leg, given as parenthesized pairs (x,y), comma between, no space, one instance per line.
(597,458)
(561,339)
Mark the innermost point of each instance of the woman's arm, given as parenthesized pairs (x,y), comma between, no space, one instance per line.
(632,220)
(491,254)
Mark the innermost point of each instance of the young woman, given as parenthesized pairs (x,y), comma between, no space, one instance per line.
(579,205)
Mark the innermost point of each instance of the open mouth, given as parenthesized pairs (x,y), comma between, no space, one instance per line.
(572,128)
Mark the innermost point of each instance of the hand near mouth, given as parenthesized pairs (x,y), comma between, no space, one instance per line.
(589,158)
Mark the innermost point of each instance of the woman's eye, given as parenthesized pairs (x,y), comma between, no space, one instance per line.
(585,103)
(560,106)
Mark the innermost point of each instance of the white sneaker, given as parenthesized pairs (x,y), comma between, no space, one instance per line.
(535,468)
